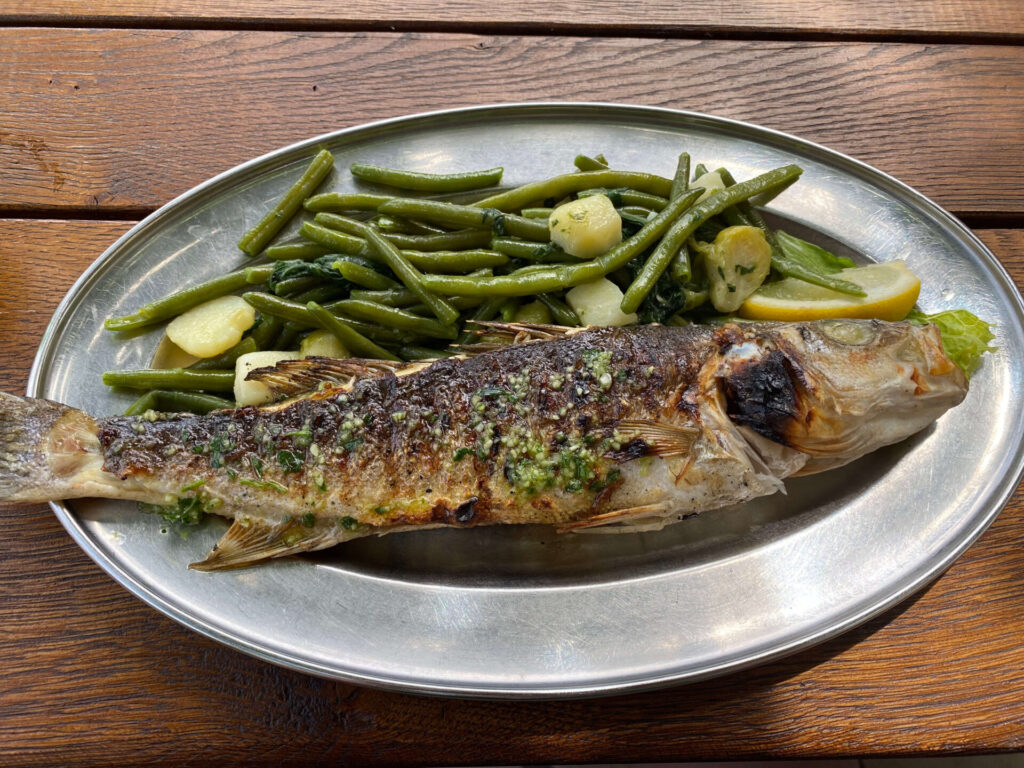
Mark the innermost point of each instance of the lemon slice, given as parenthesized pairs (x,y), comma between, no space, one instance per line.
(891,291)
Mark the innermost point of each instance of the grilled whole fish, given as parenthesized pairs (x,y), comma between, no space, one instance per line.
(607,429)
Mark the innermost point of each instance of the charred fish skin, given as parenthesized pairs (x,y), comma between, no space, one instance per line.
(523,433)
(592,429)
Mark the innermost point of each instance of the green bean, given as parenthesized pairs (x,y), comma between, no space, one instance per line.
(288,336)
(260,274)
(789,268)
(454,215)
(554,278)
(328,228)
(680,267)
(402,226)
(364,276)
(294,312)
(182,301)
(427,182)
(681,181)
(520,249)
(561,312)
(256,239)
(290,251)
(411,277)
(486,311)
(699,171)
(403,297)
(413,353)
(508,310)
(338,242)
(624,196)
(743,213)
(375,246)
(536,213)
(146,402)
(561,186)
(601,158)
(455,261)
(340,223)
(268,304)
(295,285)
(171,378)
(447,241)
(391,297)
(350,338)
(395,318)
(585,163)
(746,214)
(637,210)
(339,202)
(358,260)
(694,299)
(174,401)
(226,360)
(766,197)
(266,329)
(689,221)
(319,294)
(632,218)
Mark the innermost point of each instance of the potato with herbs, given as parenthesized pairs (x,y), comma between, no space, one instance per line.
(586,227)
(737,263)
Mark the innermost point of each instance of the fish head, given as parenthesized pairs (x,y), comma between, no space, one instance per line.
(837,389)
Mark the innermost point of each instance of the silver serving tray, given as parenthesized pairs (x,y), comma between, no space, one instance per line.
(520,612)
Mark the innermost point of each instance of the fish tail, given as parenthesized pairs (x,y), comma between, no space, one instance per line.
(43,447)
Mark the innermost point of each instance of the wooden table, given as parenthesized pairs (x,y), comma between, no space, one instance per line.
(106,114)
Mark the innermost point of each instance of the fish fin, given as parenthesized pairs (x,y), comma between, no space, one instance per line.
(660,439)
(295,377)
(497,335)
(43,446)
(615,517)
(252,541)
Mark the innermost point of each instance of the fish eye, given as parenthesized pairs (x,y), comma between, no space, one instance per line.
(848,332)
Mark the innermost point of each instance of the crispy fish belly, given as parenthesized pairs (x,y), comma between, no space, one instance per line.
(595,429)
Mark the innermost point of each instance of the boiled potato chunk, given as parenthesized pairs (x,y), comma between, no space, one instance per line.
(711,181)
(737,263)
(586,227)
(256,392)
(597,303)
(323,344)
(170,355)
(212,327)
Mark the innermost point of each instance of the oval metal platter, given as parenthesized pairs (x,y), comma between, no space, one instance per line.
(518,612)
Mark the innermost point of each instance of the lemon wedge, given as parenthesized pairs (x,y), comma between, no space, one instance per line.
(891,290)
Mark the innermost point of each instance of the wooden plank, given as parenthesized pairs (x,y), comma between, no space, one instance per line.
(120,121)
(878,18)
(92,672)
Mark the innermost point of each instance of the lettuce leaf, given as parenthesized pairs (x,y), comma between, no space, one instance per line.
(965,336)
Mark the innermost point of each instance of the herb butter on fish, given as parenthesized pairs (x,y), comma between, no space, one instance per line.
(601,428)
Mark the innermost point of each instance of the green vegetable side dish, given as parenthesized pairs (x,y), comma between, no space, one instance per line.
(396,277)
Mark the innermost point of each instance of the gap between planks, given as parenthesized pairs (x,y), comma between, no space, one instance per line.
(671,31)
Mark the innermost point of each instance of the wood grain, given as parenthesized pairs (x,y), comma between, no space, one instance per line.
(127,119)
(95,676)
(879,18)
